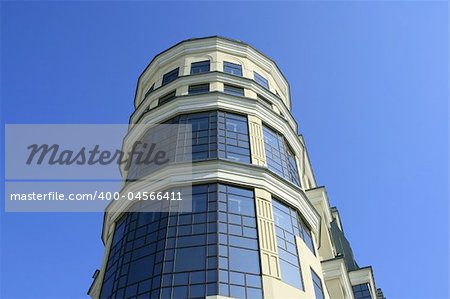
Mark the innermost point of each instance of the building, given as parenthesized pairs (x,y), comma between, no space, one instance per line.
(265,229)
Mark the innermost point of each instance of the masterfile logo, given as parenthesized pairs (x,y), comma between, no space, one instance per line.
(92,167)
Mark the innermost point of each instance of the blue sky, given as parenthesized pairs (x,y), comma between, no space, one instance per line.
(369,84)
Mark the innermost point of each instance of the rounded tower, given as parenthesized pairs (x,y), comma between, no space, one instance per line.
(254,233)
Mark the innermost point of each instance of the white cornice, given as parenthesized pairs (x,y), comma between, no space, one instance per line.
(213,44)
(318,196)
(217,100)
(363,275)
(250,176)
(215,77)
(336,269)
(214,101)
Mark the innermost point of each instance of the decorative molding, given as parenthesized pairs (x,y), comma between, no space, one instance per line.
(246,175)
(219,100)
(336,269)
(270,264)
(256,141)
(232,47)
(214,77)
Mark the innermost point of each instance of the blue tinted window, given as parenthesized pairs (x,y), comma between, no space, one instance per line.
(289,220)
(177,255)
(170,76)
(233,139)
(280,158)
(150,90)
(306,235)
(238,252)
(261,80)
(362,291)
(166,98)
(243,260)
(264,101)
(214,134)
(119,231)
(198,89)
(232,68)
(233,90)
(290,274)
(190,259)
(200,67)
(217,134)
(286,228)
(132,261)
(317,282)
(140,269)
(204,135)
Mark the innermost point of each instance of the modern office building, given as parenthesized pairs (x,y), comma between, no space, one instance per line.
(261,226)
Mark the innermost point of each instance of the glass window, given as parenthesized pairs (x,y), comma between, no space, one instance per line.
(232,68)
(233,137)
(179,255)
(216,134)
(317,282)
(261,80)
(204,135)
(198,89)
(140,269)
(130,268)
(264,101)
(200,67)
(291,274)
(150,90)
(286,228)
(306,235)
(233,90)
(362,291)
(190,259)
(286,217)
(166,98)
(239,268)
(243,260)
(280,158)
(170,76)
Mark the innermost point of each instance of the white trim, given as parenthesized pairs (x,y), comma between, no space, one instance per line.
(363,275)
(250,176)
(213,44)
(318,196)
(213,101)
(336,269)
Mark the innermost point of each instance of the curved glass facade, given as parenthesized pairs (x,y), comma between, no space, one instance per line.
(288,225)
(280,158)
(238,105)
(215,134)
(212,250)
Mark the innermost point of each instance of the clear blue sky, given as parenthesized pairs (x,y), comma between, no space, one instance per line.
(369,83)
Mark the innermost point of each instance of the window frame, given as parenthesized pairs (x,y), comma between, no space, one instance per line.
(168,97)
(358,294)
(150,90)
(261,80)
(287,230)
(264,100)
(170,76)
(192,89)
(230,87)
(285,152)
(199,64)
(232,66)
(320,285)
